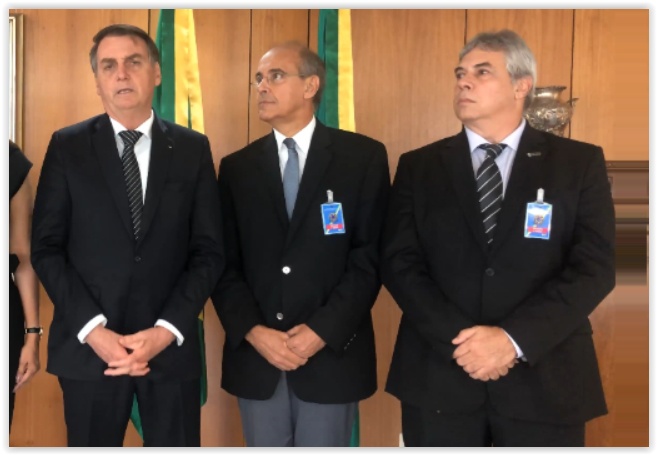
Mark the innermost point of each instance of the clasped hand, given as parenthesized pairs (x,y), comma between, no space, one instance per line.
(289,350)
(485,352)
(128,354)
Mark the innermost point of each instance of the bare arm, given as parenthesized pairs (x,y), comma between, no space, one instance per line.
(20,219)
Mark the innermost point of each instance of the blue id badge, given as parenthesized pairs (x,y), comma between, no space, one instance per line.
(332,216)
(538,219)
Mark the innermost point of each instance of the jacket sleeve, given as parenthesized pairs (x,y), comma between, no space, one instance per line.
(564,303)
(405,270)
(355,294)
(205,260)
(232,298)
(50,235)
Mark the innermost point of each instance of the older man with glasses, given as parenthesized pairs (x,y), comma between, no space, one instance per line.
(302,209)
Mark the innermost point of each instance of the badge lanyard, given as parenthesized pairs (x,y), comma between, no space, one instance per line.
(538,219)
(332,216)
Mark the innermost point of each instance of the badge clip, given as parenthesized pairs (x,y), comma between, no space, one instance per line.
(538,220)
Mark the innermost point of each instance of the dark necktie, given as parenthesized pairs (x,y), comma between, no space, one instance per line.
(489,187)
(132,178)
(291,176)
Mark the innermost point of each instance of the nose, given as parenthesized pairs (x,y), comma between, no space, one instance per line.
(464,83)
(121,72)
(264,86)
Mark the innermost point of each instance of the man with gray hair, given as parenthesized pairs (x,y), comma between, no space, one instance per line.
(498,245)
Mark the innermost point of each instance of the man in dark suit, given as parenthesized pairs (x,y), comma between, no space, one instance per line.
(301,270)
(495,345)
(126,241)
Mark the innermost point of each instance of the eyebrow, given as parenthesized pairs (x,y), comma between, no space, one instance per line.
(112,59)
(478,65)
(273,70)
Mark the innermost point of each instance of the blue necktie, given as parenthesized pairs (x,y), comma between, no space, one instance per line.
(489,187)
(132,178)
(291,176)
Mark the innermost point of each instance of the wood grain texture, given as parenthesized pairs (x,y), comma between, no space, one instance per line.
(547,32)
(403,85)
(268,28)
(610,78)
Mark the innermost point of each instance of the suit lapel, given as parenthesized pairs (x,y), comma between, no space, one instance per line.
(104,145)
(162,147)
(268,163)
(319,157)
(526,177)
(459,169)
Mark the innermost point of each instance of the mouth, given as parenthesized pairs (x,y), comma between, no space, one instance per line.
(464,101)
(124,91)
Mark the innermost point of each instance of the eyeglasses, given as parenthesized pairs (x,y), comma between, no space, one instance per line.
(274,78)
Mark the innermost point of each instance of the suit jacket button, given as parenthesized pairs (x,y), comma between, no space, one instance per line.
(490,271)
(137,258)
(279,316)
(286,270)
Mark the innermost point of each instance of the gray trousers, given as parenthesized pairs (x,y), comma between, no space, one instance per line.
(286,421)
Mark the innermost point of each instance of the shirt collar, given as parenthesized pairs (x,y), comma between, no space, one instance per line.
(511,141)
(145,128)
(302,138)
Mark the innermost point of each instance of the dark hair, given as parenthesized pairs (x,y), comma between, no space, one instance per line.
(123,30)
(310,65)
(520,61)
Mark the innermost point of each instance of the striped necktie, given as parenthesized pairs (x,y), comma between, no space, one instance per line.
(489,187)
(132,178)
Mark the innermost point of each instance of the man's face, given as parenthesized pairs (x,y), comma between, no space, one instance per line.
(125,77)
(484,89)
(283,96)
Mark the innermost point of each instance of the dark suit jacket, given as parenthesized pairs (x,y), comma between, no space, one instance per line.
(437,267)
(84,251)
(333,280)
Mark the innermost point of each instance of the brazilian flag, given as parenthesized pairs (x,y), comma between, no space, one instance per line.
(336,108)
(178,99)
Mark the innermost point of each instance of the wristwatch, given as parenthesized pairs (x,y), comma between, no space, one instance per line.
(38,330)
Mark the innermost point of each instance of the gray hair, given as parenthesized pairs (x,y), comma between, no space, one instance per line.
(123,30)
(310,65)
(520,61)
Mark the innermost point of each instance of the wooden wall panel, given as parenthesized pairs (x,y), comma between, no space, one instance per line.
(268,28)
(547,32)
(223,43)
(403,81)
(59,91)
(610,77)
(403,85)
(621,337)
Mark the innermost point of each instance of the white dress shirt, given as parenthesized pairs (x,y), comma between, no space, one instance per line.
(302,140)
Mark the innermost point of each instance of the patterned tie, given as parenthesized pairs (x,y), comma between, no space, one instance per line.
(132,178)
(489,187)
(291,176)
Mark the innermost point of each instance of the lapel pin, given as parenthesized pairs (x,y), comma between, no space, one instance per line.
(533,154)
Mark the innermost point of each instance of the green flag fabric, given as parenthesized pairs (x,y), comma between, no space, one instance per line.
(178,99)
(336,108)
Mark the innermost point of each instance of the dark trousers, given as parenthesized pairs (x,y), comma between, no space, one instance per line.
(97,412)
(483,428)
